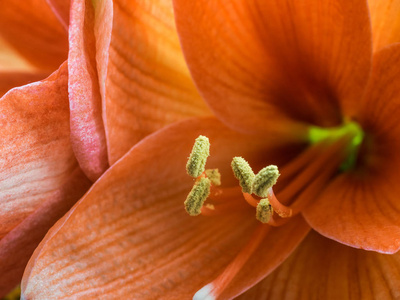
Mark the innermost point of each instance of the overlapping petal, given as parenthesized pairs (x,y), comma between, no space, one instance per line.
(61,9)
(36,156)
(286,60)
(11,79)
(148,84)
(35,32)
(323,269)
(134,221)
(361,208)
(18,245)
(385,22)
(87,127)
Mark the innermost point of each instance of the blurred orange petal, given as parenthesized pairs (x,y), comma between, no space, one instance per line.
(291,61)
(34,31)
(142,231)
(87,128)
(18,245)
(361,208)
(11,79)
(148,85)
(323,269)
(385,22)
(36,156)
(61,10)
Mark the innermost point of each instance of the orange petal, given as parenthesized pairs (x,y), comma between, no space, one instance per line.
(385,22)
(361,208)
(9,80)
(323,269)
(34,31)
(87,128)
(36,156)
(148,85)
(131,237)
(10,60)
(18,245)
(286,61)
(61,10)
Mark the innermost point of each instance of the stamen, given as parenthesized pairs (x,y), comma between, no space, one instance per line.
(264,180)
(264,211)
(250,199)
(215,288)
(243,172)
(214,176)
(197,196)
(198,157)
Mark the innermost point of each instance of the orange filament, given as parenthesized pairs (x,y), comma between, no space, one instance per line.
(250,199)
(226,277)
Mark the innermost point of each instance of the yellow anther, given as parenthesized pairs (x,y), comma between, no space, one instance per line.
(198,157)
(243,173)
(197,196)
(264,211)
(264,180)
(214,176)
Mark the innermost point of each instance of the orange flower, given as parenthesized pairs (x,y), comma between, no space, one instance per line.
(275,72)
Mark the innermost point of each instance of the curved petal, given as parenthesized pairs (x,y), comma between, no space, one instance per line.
(385,22)
(61,10)
(148,85)
(323,269)
(9,80)
(36,156)
(130,236)
(18,245)
(361,208)
(291,61)
(87,128)
(34,31)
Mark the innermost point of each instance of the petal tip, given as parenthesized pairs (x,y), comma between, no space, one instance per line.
(205,293)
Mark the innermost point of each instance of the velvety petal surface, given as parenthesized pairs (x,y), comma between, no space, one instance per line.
(130,236)
(36,156)
(61,9)
(18,245)
(323,269)
(10,79)
(361,208)
(87,128)
(148,84)
(35,32)
(385,22)
(286,60)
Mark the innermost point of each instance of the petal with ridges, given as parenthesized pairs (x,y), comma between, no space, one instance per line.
(361,208)
(323,269)
(385,22)
(286,60)
(133,220)
(18,245)
(148,85)
(34,31)
(87,128)
(36,155)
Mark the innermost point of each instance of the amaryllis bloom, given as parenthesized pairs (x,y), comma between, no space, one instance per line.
(54,139)
(308,86)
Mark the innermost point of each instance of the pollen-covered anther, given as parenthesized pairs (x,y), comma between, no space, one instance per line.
(264,211)
(214,176)
(264,180)
(198,157)
(199,193)
(244,173)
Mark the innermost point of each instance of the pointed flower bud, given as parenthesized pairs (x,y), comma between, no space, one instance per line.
(198,157)
(243,173)
(264,211)
(199,193)
(214,176)
(264,180)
